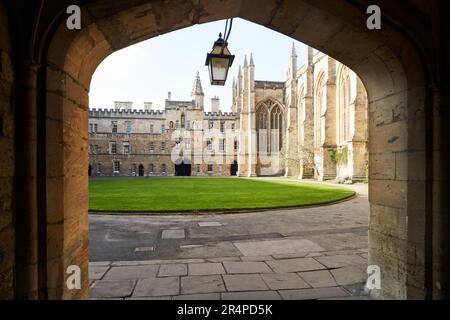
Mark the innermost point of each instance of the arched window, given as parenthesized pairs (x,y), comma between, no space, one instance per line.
(269,127)
(319,112)
(343,118)
(276,115)
(262,126)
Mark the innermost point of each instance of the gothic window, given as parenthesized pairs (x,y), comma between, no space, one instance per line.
(222,126)
(188,124)
(269,127)
(344,107)
(95,127)
(177,124)
(222,145)
(99,168)
(163,146)
(133,169)
(276,125)
(151,168)
(91,127)
(210,124)
(152,128)
(319,113)
(163,168)
(262,128)
(171,124)
(210,167)
(163,129)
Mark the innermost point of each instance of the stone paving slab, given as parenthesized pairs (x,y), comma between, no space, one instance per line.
(210,224)
(350,275)
(313,294)
(157,287)
(153,262)
(271,247)
(318,279)
(246,267)
(210,250)
(295,265)
(172,270)
(244,282)
(173,234)
(222,259)
(203,269)
(251,295)
(97,272)
(131,272)
(290,255)
(279,281)
(256,258)
(200,296)
(339,261)
(112,289)
(202,284)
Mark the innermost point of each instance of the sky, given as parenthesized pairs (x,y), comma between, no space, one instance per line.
(147,71)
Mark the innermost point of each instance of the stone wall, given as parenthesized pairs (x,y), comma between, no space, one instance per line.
(7,230)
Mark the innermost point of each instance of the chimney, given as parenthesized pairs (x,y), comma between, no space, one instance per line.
(215,105)
(148,106)
(169,96)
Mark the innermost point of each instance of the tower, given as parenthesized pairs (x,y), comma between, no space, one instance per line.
(197,92)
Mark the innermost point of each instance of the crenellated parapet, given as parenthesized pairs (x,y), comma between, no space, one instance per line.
(220,115)
(134,113)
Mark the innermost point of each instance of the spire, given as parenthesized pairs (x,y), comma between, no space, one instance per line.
(252,64)
(245,62)
(240,72)
(294,52)
(197,90)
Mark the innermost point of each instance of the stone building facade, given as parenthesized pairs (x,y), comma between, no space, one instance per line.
(181,140)
(313,125)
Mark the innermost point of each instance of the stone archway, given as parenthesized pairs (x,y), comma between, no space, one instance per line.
(399,163)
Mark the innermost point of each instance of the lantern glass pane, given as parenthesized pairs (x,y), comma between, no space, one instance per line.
(219,68)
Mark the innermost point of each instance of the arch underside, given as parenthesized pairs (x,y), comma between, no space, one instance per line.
(335,29)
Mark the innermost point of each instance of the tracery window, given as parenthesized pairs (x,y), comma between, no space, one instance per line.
(269,127)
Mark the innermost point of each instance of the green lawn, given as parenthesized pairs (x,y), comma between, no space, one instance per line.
(190,194)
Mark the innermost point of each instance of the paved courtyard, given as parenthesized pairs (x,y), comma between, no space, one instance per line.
(309,253)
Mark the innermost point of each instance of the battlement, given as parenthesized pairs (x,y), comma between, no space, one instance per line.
(139,113)
(230,115)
